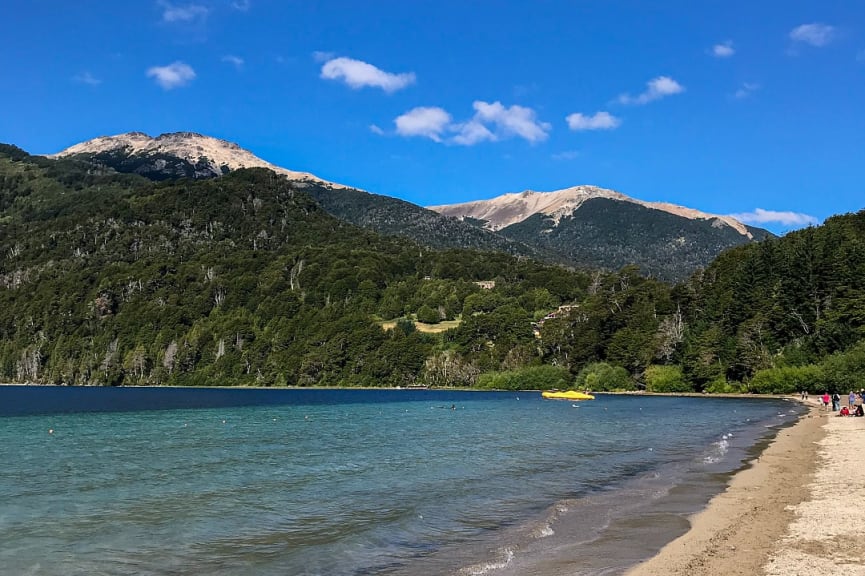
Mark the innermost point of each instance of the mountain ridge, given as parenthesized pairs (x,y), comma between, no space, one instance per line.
(508,209)
(581,226)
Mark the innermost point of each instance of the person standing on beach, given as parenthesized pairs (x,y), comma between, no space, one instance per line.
(851,399)
(825,400)
(836,402)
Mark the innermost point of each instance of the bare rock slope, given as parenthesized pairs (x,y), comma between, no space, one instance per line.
(211,156)
(503,211)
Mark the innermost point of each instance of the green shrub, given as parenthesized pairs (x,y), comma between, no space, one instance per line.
(787,380)
(603,377)
(721,385)
(428,315)
(666,379)
(531,378)
(844,371)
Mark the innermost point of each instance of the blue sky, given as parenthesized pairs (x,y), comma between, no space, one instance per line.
(731,107)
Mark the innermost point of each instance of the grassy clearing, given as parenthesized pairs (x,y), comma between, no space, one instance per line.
(425,328)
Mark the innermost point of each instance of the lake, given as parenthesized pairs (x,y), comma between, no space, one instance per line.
(178,481)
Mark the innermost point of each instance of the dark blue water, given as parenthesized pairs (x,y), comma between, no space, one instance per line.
(344,482)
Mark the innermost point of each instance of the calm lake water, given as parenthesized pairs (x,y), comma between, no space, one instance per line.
(356,482)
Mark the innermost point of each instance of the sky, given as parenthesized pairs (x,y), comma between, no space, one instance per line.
(731,107)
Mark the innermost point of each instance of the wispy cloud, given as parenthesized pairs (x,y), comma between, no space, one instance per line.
(566,155)
(656,88)
(598,121)
(235,61)
(723,50)
(426,121)
(182,13)
(787,219)
(174,75)
(241,5)
(815,34)
(87,78)
(358,74)
(322,56)
(745,90)
(376,130)
(492,121)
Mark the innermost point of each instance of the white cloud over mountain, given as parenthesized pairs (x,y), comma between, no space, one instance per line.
(174,75)
(429,122)
(598,121)
(492,121)
(358,74)
(656,88)
(785,218)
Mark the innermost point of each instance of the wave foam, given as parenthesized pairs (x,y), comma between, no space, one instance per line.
(486,567)
(718,450)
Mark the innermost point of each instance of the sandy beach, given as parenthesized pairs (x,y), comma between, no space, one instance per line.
(796,511)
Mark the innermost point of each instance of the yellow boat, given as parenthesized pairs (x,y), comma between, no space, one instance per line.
(566,395)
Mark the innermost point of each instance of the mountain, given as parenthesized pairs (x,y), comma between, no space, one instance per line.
(598,228)
(190,155)
(176,154)
(583,226)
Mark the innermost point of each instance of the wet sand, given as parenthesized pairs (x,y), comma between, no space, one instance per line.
(796,510)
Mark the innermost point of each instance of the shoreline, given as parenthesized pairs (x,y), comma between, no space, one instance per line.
(767,522)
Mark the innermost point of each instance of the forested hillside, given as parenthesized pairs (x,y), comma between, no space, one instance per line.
(611,234)
(112,279)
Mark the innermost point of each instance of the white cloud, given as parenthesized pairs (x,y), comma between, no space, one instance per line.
(566,155)
(599,121)
(429,122)
(358,74)
(376,130)
(491,122)
(656,89)
(789,219)
(235,61)
(87,78)
(185,13)
(815,34)
(746,90)
(172,76)
(471,133)
(514,120)
(723,50)
(242,5)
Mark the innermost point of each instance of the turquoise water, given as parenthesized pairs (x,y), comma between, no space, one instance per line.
(364,482)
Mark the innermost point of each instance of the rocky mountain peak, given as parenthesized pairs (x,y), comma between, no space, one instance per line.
(214,154)
(507,209)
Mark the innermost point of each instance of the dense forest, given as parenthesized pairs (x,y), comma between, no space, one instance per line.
(115,279)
